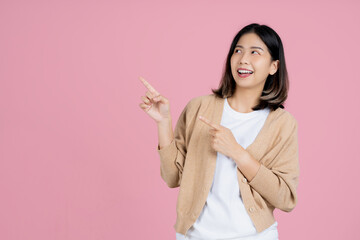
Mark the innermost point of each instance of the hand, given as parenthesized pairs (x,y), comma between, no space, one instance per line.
(222,139)
(154,104)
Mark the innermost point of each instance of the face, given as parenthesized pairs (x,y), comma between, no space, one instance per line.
(257,60)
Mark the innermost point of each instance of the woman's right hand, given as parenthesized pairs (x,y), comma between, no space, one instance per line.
(154,104)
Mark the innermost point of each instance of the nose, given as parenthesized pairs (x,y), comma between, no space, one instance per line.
(244,58)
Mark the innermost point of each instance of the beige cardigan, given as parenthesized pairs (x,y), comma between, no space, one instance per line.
(189,162)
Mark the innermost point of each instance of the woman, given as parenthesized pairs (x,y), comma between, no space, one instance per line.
(234,153)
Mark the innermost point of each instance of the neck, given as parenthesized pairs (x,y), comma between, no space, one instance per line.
(244,99)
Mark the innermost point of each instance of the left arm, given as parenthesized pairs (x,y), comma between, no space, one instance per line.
(276,184)
(248,165)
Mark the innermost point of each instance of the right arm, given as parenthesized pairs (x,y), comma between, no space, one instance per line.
(172,150)
(165,133)
(172,145)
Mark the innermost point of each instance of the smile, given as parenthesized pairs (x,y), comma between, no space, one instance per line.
(244,74)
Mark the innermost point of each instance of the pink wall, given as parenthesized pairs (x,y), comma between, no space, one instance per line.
(78,156)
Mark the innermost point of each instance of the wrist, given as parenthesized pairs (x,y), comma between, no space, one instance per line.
(164,122)
(239,154)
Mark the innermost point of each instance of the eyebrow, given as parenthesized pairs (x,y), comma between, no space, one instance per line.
(250,47)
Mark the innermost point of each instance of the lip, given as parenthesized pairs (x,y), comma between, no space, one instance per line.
(244,69)
(244,75)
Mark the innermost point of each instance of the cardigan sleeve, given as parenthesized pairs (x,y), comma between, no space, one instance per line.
(172,156)
(278,184)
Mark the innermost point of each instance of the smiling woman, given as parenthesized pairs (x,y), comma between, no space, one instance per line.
(234,153)
(259,49)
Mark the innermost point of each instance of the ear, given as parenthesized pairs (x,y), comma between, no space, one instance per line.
(274,67)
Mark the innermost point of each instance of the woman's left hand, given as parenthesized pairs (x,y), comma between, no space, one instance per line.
(222,139)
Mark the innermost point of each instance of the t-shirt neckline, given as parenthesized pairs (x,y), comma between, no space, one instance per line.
(237,114)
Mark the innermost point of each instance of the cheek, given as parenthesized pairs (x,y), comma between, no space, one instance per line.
(262,64)
(233,65)
(261,67)
(233,60)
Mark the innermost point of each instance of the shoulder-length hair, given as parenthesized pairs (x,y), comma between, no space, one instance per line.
(276,86)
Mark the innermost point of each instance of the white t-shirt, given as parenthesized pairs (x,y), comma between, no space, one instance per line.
(224,215)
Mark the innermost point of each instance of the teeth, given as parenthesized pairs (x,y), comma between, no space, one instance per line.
(244,71)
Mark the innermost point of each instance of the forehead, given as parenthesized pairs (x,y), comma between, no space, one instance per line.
(249,40)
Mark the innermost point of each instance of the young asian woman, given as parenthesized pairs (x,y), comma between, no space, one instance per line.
(233,153)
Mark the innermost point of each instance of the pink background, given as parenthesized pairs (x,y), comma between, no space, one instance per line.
(78,155)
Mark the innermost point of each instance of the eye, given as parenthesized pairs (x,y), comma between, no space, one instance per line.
(236,50)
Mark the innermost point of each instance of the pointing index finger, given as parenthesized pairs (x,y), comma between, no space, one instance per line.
(148,86)
(208,122)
